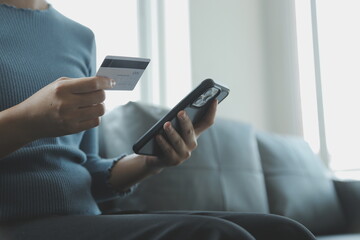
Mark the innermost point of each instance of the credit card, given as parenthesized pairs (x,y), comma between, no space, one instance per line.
(126,71)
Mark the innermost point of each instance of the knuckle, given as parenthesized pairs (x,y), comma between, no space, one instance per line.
(190,131)
(58,88)
(96,122)
(94,84)
(178,142)
(101,109)
(67,126)
(62,78)
(171,134)
(57,111)
(102,95)
(193,145)
(62,110)
(187,155)
(176,162)
(90,124)
(168,150)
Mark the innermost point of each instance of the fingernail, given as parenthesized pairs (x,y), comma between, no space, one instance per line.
(112,83)
(167,126)
(182,115)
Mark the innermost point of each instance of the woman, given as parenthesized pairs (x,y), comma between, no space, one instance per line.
(50,173)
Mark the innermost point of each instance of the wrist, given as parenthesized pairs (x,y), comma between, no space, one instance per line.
(15,131)
(152,165)
(130,170)
(23,124)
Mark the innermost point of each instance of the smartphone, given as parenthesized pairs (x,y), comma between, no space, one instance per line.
(196,104)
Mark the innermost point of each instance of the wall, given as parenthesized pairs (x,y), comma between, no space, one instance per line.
(249,45)
(226,46)
(281,67)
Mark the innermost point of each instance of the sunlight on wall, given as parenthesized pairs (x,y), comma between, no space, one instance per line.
(339,53)
(307,74)
(178,72)
(339,39)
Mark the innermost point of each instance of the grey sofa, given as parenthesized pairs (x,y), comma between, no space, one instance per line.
(237,168)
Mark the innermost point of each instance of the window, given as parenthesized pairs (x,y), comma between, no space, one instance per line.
(329,52)
(157,29)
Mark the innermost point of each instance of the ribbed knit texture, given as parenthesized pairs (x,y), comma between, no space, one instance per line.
(52,176)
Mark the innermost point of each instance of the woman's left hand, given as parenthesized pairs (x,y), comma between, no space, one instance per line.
(179,146)
(177,149)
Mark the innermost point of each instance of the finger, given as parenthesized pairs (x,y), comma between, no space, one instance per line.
(88,99)
(91,112)
(89,84)
(207,120)
(169,154)
(85,125)
(187,130)
(176,141)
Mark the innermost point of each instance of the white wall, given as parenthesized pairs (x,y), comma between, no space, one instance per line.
(250,46)
(226,45)
(281,67)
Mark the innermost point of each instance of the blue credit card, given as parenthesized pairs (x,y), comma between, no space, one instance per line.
(126,71)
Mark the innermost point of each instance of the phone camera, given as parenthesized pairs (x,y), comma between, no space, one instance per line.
(205,97)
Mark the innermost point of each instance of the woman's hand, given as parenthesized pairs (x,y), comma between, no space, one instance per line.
(179,146)
(65,106)
(134,168)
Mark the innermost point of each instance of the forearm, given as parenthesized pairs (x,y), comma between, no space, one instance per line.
(14,130)
(131,170)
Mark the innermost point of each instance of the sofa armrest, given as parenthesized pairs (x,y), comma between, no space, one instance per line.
(349,195)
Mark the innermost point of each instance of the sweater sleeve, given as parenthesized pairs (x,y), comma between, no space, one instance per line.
(99,168)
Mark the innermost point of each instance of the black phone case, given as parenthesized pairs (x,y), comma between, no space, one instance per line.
(147,145)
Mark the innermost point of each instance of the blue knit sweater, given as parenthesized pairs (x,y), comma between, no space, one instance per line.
(51,176)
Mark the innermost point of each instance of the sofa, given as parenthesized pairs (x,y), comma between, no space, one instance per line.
(237,168)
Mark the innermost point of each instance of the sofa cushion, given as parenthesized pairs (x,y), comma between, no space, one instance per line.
(354,236)
(348,192)
(223,173)
(298,184)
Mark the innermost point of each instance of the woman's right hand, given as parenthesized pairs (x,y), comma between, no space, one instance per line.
(66,106)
